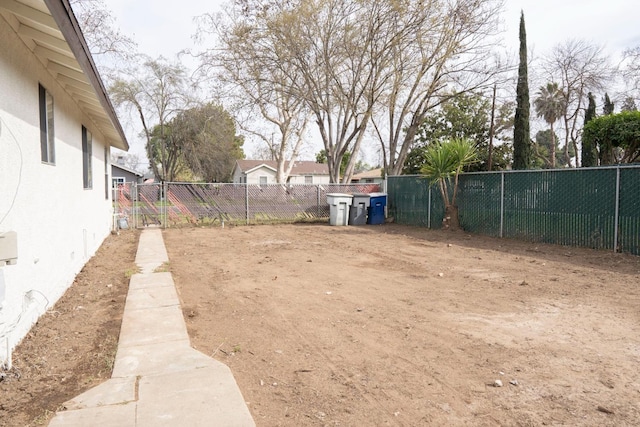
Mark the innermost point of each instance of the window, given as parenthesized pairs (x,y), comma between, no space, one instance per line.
(308,179)
(87,145)
(263,180)
(116,181)
(106,173)
(47,135)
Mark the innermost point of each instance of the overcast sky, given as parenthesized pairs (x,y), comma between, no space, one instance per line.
(163,27)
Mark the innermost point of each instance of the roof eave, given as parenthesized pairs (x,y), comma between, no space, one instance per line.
(126,169)
(258,167)
(63,15)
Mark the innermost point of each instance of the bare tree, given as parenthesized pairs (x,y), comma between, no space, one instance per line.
(256,78)
(128,160)
(580,67)
(332,46)
(351,61)
(316,56)
(437,46)
(631,73)
(156,91)
(108,45)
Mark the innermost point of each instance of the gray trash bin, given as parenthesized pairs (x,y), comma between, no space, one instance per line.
(339,204)
(359,208)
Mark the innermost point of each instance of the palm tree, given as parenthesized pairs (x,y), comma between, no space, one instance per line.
(550,105)
(442,162)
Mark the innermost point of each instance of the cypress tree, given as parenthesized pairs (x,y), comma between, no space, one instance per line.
(608,105)
(521,137)
(605,151)
(629,104)
(589,154)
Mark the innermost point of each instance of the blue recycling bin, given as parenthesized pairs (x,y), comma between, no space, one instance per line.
(377,203)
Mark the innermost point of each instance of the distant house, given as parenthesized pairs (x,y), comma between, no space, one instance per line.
(264,172)
(121,174)
(373,176)
(57,126)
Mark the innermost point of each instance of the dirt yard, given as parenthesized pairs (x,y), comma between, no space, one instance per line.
(73,346)
(375,325)
(393,325)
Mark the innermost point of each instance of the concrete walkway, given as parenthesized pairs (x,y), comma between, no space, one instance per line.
(158,379)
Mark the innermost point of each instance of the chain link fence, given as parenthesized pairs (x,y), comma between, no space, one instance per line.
(180,204)
(590,207)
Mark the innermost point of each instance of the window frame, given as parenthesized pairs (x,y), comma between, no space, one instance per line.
(87,159)
(107,188)
(117,180)
(47,127)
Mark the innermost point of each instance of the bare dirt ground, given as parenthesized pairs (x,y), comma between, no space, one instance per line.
(394,325)
(376,325)
(72,347)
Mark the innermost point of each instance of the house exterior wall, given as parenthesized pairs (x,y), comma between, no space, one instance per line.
(253,177)
(316,179)
(238,175)
(378,181)
(59,224)
(128,176)
(373,176)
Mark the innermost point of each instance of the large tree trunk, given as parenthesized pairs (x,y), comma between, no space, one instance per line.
(451,221)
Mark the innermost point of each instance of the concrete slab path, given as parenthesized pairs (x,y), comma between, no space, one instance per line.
(158,379)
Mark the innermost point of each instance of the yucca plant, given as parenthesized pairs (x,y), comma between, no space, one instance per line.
(443,163)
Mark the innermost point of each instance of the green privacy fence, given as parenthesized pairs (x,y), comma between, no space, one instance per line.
(411,201)
(590,207)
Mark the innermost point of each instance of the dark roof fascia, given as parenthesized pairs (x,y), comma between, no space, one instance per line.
(126,169)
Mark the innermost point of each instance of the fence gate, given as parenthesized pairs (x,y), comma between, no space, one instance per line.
(148,206)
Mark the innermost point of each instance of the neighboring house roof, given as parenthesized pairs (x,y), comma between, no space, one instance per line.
(50,30)
(302,167)
(373,173)
(126,169)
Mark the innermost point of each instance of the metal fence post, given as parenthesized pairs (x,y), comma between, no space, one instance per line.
(502,204)
(246,201)
(134,204)
(163,203)
(318,200)
(116,207)
(616,219)
(429,209)
(132,211)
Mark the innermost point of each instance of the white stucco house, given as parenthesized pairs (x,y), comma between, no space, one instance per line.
(373,176)
(56,129)
(264,172)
